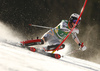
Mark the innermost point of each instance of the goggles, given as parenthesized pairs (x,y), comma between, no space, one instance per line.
(74,21)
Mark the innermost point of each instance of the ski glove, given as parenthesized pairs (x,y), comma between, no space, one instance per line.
(82,47)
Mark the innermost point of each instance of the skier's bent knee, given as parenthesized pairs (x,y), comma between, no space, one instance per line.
(53,47)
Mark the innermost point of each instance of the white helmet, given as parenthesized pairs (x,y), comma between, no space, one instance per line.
(73,17)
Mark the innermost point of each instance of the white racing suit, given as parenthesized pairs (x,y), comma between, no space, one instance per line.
(57,34)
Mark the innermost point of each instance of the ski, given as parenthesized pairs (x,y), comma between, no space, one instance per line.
(33,49)
(28,43)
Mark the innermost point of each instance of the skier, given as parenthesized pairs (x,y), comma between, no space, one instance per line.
(55,35)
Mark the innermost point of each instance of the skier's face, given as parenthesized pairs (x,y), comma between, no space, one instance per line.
(74,21)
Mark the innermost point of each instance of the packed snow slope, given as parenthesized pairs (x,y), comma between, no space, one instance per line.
(13,58)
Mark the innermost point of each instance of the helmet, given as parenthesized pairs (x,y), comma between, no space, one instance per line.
(74,17)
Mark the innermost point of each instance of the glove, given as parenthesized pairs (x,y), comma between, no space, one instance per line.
(82,47)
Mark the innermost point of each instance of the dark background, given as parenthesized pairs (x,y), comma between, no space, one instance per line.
(19,13)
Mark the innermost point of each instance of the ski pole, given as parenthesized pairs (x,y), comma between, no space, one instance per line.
(73,27)
(40,26)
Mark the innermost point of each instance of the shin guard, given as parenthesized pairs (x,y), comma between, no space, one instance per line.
(32,42)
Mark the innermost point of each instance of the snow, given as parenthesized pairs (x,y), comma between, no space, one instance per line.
(13,58)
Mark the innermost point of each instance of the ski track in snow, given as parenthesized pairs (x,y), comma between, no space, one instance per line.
(13,58)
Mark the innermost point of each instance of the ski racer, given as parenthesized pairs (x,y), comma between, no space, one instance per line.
(55,35)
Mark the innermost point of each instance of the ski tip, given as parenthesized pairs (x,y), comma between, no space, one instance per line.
(32,49)
(57,56)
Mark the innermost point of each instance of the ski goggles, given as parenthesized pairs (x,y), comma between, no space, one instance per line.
(74,21)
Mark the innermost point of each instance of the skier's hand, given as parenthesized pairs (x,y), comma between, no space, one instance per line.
(82,47)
